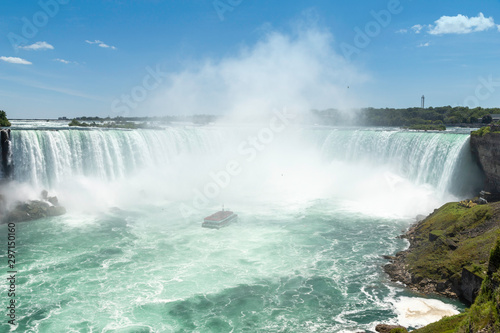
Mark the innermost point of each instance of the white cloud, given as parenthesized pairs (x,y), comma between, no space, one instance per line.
(15,60)
(402,31)
(101,44)
(299,71)
(498,26)
(65,61)
(417,28)
(461,24)
(37,46)
(424,44)
(62,60)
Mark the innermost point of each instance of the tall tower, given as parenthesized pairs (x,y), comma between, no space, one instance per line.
(423,102)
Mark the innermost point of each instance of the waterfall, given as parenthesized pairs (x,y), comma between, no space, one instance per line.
(46,157)
(440,159)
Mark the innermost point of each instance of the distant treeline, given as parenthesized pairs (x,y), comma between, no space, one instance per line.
(196,119)
(445,115)
(109,124)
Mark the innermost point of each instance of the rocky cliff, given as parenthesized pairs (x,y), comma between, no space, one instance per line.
(449,251)
(485,145)
(6,154)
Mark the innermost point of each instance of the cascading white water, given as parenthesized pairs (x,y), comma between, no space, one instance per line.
(45,158)
(438,159)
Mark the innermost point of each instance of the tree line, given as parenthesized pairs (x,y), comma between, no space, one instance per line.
(406,117)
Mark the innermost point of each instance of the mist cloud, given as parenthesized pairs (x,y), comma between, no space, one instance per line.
(298,71)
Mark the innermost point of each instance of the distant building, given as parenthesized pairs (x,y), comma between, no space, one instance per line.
(422,102)
(495,117)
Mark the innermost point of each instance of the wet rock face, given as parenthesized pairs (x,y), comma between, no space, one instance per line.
(6,154)
(486,149)
(33,210)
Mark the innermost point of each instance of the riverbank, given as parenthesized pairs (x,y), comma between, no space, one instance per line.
(449,252)
(447,249)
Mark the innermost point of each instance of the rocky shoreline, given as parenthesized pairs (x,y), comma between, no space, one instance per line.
(439,260)
(455,253)
(398,271)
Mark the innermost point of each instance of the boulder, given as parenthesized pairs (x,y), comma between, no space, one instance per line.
(34,210)
(383,328)
(53,200)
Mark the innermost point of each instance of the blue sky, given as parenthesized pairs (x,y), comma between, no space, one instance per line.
(153,57)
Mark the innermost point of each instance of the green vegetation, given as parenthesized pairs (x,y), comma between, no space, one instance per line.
(445,115)
(399,330)
(483,315)
(486,130)
(453,238)
(122,124)
(4,122)
(445,325)
(494,263)
(482,131)
(428,127)
(138,122)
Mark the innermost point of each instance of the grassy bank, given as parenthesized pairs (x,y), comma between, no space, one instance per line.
(482,316)
(452,238)
(455,237)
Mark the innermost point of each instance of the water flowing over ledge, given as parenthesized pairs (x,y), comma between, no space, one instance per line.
(45,158)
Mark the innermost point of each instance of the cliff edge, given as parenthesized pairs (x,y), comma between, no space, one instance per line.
(449,250)
(485,146)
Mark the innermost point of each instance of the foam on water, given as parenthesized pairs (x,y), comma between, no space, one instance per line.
(416,312)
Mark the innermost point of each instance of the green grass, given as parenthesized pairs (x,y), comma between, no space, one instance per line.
(452,223)
(399,330)
(445,325)
(437,233)
(482,316)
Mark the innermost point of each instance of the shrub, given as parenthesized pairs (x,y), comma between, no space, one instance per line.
(4,122)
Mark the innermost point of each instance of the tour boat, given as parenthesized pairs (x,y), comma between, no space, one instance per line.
(221,219)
